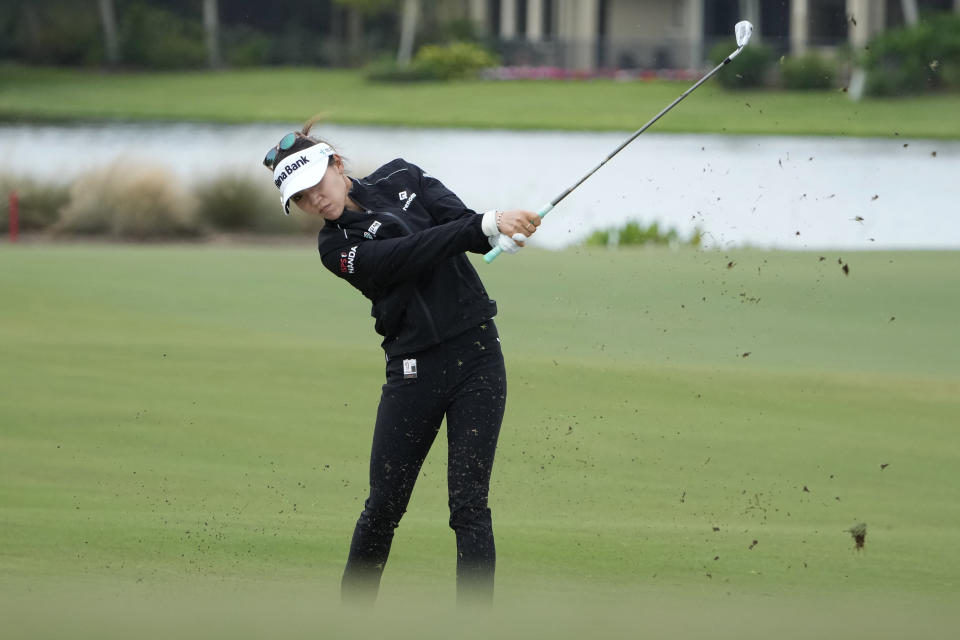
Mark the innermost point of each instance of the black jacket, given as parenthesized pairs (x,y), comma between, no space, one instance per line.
(406,254)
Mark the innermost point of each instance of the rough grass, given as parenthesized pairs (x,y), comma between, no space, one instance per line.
(185,433)
(345,97)
(39,202)
(125,200)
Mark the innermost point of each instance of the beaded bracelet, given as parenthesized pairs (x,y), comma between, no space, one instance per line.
(499,220)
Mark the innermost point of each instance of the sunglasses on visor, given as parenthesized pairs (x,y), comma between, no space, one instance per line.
(270,160)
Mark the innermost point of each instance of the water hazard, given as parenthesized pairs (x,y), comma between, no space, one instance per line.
(771,192)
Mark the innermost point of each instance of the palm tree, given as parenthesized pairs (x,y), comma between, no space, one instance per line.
(408,23)
(109,20)
(408,31)
(211,28)
(909,11)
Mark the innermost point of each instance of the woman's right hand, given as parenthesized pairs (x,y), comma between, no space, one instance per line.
(518,221)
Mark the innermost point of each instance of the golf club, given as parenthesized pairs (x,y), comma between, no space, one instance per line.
(743,31)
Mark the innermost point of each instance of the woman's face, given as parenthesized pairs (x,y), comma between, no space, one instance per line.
(328,197)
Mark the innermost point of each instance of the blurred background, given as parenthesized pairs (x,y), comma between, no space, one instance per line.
(728,348)
(191,92)
(570,34)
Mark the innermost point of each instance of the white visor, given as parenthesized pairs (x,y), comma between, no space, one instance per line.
(301,170)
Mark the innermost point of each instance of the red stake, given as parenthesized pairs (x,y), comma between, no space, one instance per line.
(14,216)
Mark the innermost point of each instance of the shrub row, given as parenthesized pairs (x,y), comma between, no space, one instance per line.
(908,60)
(636,234)
(67,32)
(755,67)
(811,71)
(39,204)
(748,70)
(924,57)
(149,203)
(454,61)
(145,202)
(169,35)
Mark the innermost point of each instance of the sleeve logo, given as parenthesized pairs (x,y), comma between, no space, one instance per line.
(346,260)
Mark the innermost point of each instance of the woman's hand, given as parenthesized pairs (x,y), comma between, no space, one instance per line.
(517,221)
(506,244)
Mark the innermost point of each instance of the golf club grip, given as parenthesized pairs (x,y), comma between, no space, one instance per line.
(491,255)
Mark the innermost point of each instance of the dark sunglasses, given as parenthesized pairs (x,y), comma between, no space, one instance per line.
(270,160)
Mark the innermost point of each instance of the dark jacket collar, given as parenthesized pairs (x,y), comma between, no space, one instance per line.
(348,216)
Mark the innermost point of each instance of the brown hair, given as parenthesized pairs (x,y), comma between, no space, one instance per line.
(305,141)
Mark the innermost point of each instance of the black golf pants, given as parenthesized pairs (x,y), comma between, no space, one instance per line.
(463,379)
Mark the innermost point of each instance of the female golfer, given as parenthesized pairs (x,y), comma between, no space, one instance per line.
(399,236)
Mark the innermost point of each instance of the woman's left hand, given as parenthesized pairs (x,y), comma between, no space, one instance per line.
(518,221)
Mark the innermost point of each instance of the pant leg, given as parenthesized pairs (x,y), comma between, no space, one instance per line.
(474,417)
(408,420)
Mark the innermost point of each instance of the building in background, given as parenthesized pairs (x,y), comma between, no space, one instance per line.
(570,34)
(676,34)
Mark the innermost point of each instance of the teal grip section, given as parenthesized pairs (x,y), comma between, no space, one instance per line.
(491,255)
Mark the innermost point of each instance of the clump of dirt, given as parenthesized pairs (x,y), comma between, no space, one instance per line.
(859,533)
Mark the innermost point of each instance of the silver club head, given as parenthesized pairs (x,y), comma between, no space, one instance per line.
(744,30)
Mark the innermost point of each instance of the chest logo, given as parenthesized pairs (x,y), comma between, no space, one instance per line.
(402,195)
(371,231)
(409,201)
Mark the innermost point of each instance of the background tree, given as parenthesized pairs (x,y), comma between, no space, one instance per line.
(108,18)
(910,15)
(211,29)
(408,25)
(408,31)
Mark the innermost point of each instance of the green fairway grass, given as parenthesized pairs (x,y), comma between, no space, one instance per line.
(184,435)
(345,97)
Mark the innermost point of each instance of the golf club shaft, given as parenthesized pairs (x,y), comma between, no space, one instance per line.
(491,255)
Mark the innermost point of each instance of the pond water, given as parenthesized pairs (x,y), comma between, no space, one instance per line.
(770,192)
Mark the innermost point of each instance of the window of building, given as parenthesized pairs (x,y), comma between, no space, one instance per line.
(828,22)
(521,18)
(603,10)
(493,17)
(719,16)
(774,25)
(549,21)
(775,19)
